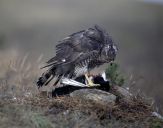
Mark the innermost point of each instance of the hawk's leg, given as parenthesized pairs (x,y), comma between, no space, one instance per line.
(90,82)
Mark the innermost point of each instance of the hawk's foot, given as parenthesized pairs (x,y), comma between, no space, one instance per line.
(90,82)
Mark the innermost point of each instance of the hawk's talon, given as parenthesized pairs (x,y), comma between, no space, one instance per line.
(90,82)
(93,85)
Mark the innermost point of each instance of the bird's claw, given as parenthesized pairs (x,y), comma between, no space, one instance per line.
(93,85)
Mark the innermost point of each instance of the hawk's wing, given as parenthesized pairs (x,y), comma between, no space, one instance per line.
(63,50)
(77,47)
(67,49)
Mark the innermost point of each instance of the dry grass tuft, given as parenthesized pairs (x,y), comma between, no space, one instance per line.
(26,108)
(135,110)
(18,74)
(73,112)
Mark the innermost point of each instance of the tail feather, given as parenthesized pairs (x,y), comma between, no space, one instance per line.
(49,80)
(58,79)
(45,78)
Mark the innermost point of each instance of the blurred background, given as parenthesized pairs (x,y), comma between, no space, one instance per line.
(34,27)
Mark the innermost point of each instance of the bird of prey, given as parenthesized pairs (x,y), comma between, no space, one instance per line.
(78,54)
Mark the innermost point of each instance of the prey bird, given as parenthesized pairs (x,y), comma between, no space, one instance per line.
(78,54)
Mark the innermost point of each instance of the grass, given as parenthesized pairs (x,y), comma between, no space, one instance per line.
(156,123)
(22,106)
(40,121)
(18,74)
(113,74)
(17,116)
(39,112)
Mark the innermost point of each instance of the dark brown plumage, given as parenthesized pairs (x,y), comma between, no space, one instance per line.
(78,54)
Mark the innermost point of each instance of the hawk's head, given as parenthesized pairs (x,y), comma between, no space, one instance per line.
(109,49)
(109,52)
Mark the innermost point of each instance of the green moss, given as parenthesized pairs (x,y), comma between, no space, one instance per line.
(40,121)
(156,123)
